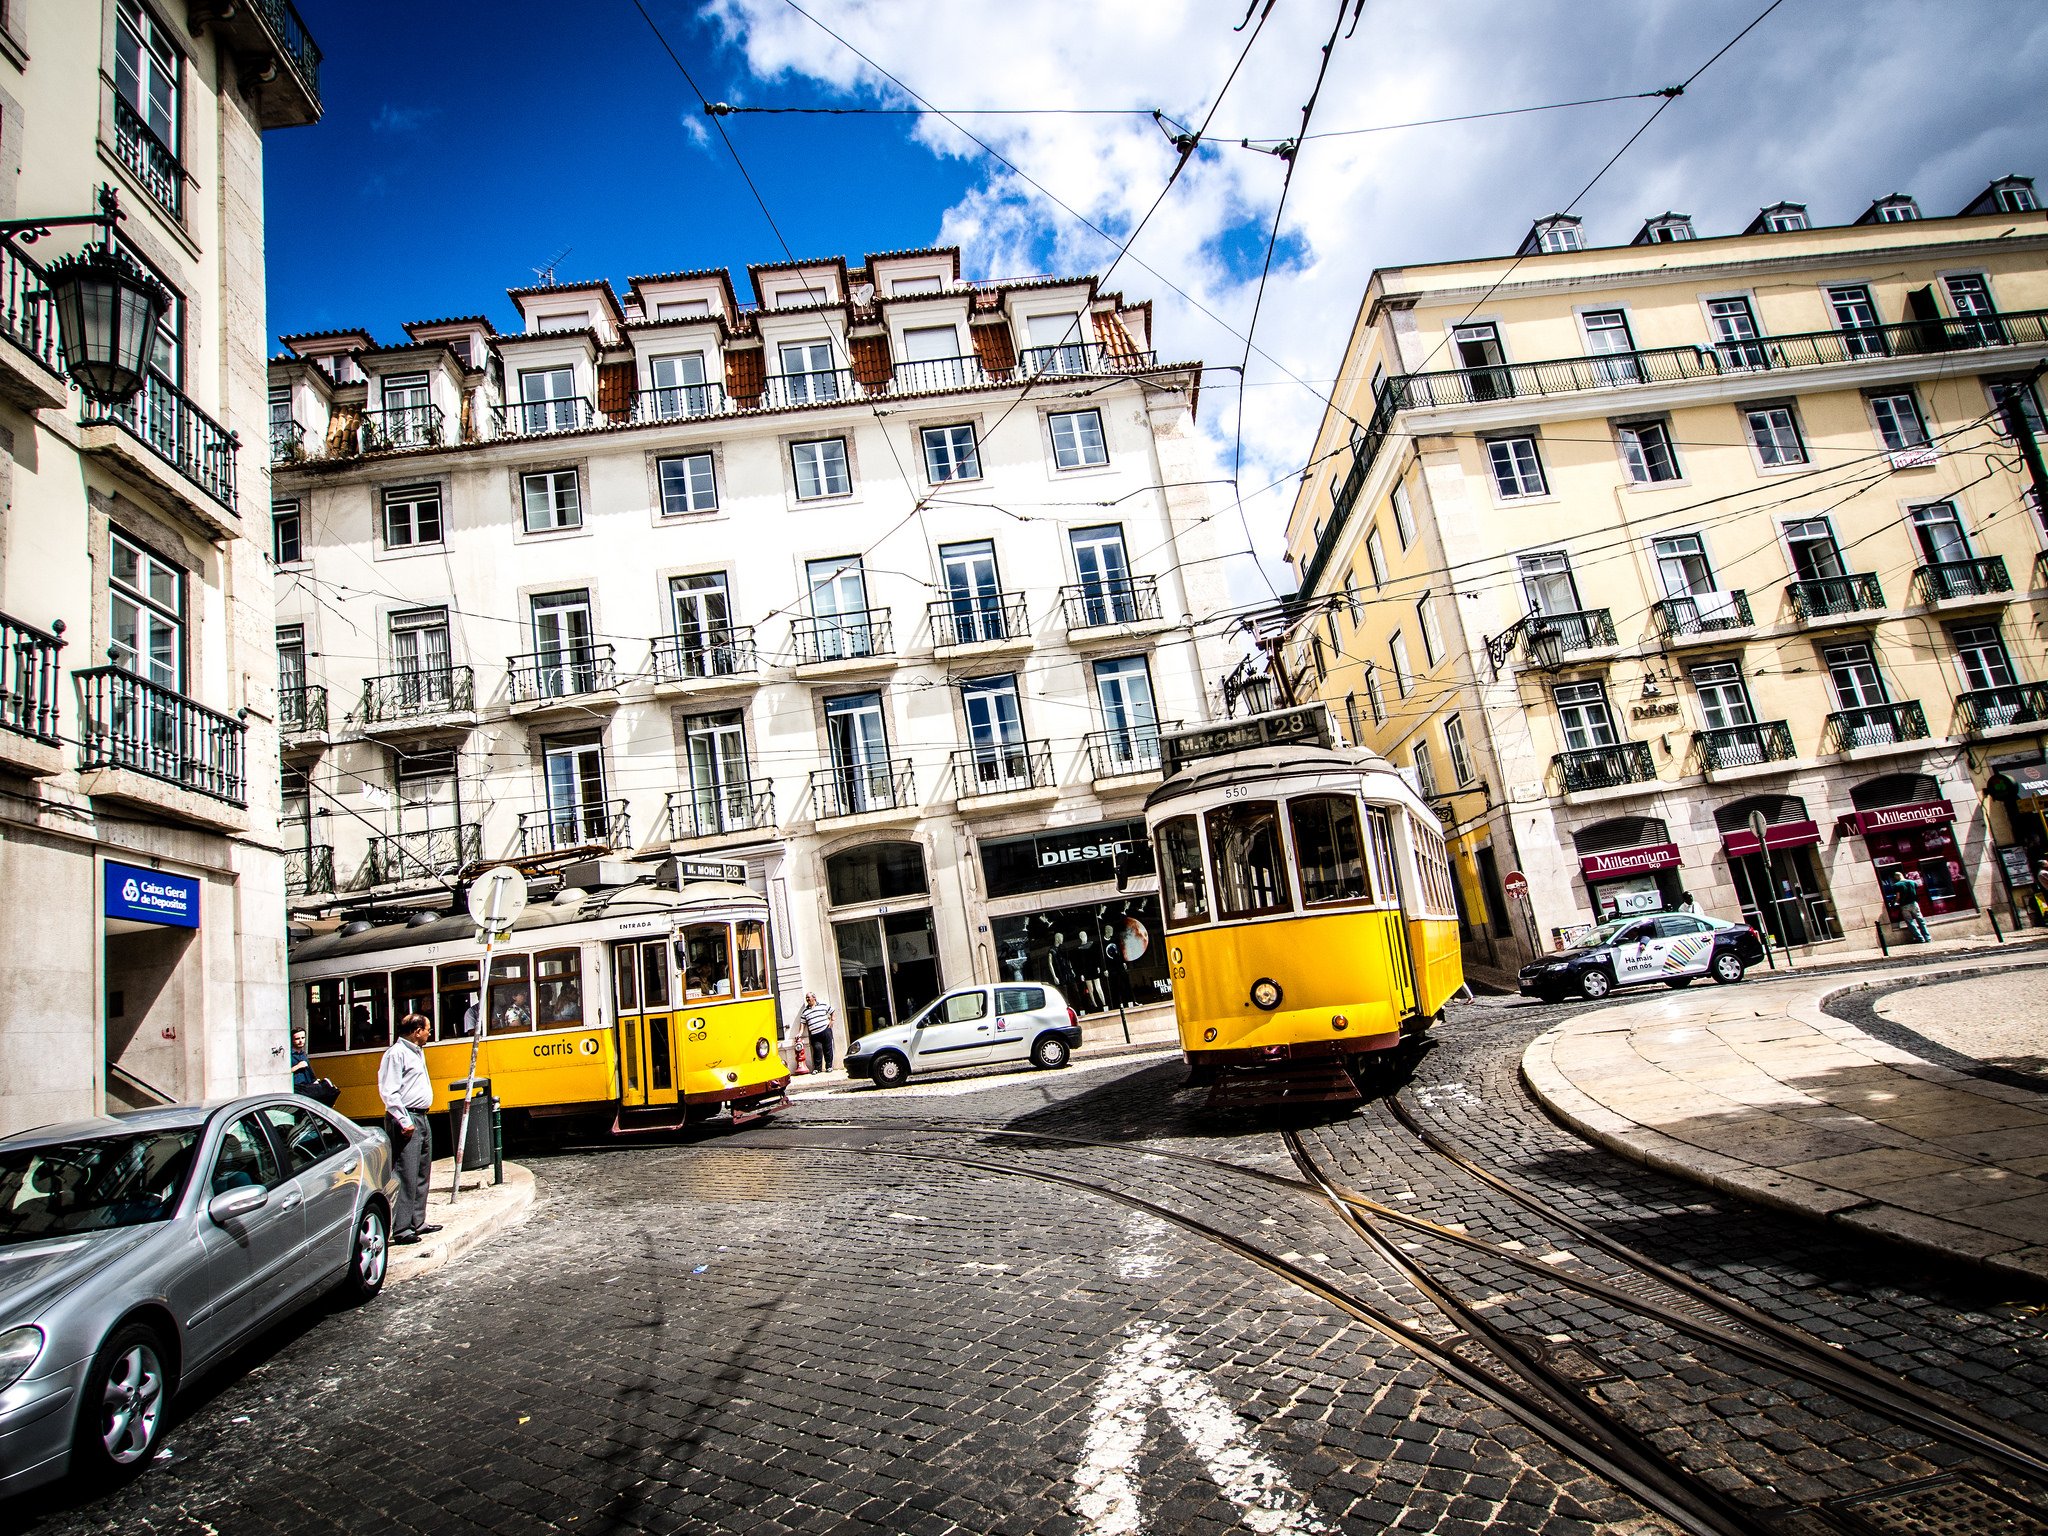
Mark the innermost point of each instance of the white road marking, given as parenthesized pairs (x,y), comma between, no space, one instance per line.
(1142,1260)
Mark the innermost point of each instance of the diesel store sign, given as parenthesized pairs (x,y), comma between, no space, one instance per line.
(1046,861)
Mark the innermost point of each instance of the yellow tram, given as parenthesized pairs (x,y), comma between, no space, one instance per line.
(655,1005)
(1306,894)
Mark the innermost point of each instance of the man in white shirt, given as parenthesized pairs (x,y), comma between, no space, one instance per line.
(816,1019)
(408,1093)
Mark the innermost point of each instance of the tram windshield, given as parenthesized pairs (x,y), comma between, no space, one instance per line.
(1329,848)
(751,942)
(1251,865)
(705,954)
(1183,881)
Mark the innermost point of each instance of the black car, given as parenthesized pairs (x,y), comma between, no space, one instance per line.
(1675,948)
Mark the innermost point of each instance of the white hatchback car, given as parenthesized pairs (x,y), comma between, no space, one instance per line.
(1005,1022)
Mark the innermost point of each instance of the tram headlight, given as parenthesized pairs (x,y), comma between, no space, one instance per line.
(1266,994)
(1208,1036)
(761,1048)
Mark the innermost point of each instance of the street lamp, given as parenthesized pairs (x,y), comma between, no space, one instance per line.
(108,308)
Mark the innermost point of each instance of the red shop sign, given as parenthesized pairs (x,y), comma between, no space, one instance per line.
(1892,818)
(1630,861)
(1786,834)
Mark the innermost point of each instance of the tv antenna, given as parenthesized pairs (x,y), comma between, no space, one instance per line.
(546,272)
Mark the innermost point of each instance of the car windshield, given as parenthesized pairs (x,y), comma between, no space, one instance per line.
(93,1184)
(1610,930)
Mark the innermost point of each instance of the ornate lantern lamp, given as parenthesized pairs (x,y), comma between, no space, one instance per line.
(107,307)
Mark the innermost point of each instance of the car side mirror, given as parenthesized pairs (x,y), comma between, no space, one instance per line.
(233,1204)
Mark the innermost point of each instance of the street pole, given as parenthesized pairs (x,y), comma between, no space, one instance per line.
(495,921)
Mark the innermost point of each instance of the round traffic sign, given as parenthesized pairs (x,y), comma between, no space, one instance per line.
(497,897)
(1517,883)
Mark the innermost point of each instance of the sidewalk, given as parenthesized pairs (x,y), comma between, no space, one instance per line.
(1752,1089)
(481,1213)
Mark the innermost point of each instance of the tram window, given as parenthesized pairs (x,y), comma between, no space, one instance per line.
(706,956)
(412,991)
(1329,849)
(1182,879)
(1384,877)
(558,988)
(1019,999)
(369,1013)
(511,996)
(1251,870)
(625,976)
(324,1028)
(751,940)
(458,1001)
(654,976)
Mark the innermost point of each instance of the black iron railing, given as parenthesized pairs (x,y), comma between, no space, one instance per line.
(2041,570)
(1365,450)
(178,432)
(1002,769)
(1112,753)
(1876,725)
(855,789)
(679,402)
(718,809)
(1945,579)
(129,722)
(1082,357)
(402,426)
(853,636)
(1560,376)
(149,157)
(1823,597)
(287,442)
(719,652)
(594,824)
(26,313)
(411,695)
(979,620)
(309,871)
(1626,762)
(1703,614)
(1133,600)
(537,418)
(937,373)
(817,387)
(293,41)
(28,680)
(431,853)
(1563,633)
(1745,746)
(302,710)
(1990,709)
(562,674)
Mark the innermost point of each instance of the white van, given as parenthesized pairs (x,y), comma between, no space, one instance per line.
(1004,1022)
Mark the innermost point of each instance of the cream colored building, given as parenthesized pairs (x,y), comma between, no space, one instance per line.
(141,883)
(880,583)
(1616,546)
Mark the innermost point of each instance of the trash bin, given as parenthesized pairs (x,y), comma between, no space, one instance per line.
(476,1151)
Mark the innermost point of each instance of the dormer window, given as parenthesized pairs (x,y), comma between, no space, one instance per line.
(2015,197)
(459,345)
(1666,229)
(903,287)
(1561,237)
(682,309)
(564,320)
(1896,209)
(792,298)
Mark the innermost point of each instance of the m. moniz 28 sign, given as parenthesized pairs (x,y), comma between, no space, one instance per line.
(1310,722)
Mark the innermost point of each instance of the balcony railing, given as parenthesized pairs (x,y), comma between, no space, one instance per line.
(1081,357)
(309,871)
(1745,746)
(1626,762)
(818,387)
(282,18)
(854,636)
(1876,725)
(178,432)
(679,402)
(1587,630)
(1947,579)
(1133,600)
(1002,769)
(149,157)
(563,674)
(1823,597)
(130,722)
(979,620)
(2041,570)
(1561,376)
(302,710)
(936,373)
(1703,613)
(855,789)
(287,442)
(402,426)
(432,853)
(412,695)
(26,313)
(538,418)
(719,809)
(727,652)
(1990,709)
(595,824)
(1113,753)
(1366,447)
(28,681)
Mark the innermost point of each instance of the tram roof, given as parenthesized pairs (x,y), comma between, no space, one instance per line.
(1293,760)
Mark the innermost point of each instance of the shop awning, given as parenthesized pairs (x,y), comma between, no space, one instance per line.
(1890,818)
(1784,834)
(2027,782)
(1629,861)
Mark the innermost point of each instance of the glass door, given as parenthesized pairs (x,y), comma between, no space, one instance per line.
(807,372)
(973,592)
(719,789)
(1124,687)
(679,388)
(575,786)
(1939,533)
(1105,576)
(1613,348)
(562,661)
(839,608)
(1735,335)
(420,656)
(859,747)
(547,400)
(995,735)
(1815,554)
(1480,356)
(703,618)
(643,987)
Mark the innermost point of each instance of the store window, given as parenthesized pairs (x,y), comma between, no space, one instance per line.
(1908,828)
(1100,955)
(888,962)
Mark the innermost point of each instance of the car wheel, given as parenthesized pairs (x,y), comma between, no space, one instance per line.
(1728,967)
(890,1070)
(120,1412)
(1675,982)
(1594,985)
(1049,1051)
(369,1255)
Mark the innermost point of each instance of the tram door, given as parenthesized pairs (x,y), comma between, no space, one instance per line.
(645,991)
(1387,875)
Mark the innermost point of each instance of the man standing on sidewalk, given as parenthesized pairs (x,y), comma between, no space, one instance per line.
(408,1093)
(817,1022)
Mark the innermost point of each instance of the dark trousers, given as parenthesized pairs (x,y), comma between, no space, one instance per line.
(821,1052)
(413,1157)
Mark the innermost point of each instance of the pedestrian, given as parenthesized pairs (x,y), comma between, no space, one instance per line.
(817,1022)
(1907,889)
(302,1064)
(408,1093)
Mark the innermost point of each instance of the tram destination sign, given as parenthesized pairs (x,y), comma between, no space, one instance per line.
(1309,722)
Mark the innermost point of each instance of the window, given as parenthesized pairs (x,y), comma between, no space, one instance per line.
(1564,235)
(682,309)
(548,401)
(1123,688)
(1479,360)
(1107,593)
(1582,712)
(245,1159)
(679,386)
(950,454)
(703,626)
(841,626)
(1815,554)
(857,742)
(1460,755)
(1354,600)
(552,500)
(420,766)
(807,372)
(573,770)
(291,658)
(1376,557)
(1609,340)
(1735,333)
(1897,210)
(721,788)
(1516,469)
(1682,565)
(309,1137)
(1373,697)
(1056,344)
(1982,659)
(903,287)
(1319,658)
(412,516)
(168,356)
(1852,672)
(419,652)
(821,469)
(995,735)
(558,989)
(409,419)
(1724,697)
(2015,199)
(367,1007)
(563,662)
(561,320)
(1077,441)
(1404,674)
(286,547)
(1782,220)
(1329,849)
(146,72)
(1665,231)
(750,948)
(1856,316)
(146,613)
(974,612)
(1356,737)
(1970,295)
(688,484)
(1647,453)
(1432,638)
(511,1005)
(1547,582)
(1900,426)
(2019,390)
(1251,868)
(1775,435)
(930,344)
(1425,770)
(1939,533)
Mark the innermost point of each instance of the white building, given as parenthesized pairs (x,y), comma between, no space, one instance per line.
(882,584)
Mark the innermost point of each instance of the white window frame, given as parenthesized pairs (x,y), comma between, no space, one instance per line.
(1078,442)
(1762,445)
(412,497)
(1404,515)
(820,465)
(1456,747)
(699,491)
(1432,637)
(1633,438)
(153,613)
(1404,672)
(1785,221)
(543,489)
(1373,696)
(1425,769)
(1515,467)
(280,512)
(1885,421)
(2015,199)
(950,462)
(1376,557)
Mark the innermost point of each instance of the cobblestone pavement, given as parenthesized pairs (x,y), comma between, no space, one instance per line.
(880,1314)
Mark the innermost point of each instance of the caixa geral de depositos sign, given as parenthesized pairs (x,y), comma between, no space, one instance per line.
(150,895)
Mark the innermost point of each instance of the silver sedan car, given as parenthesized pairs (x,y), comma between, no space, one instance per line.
(138,1249)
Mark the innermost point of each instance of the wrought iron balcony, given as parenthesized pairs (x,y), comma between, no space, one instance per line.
(1704,613)
(414,695)
(720,809)
(1560,376)
(820,386)
(854,636)
(1365,451)
(982,620)
(1589,629)
(402,426)
(178,432)
(149,157)
(857,789)
(2041,570)
(1745,746)
(1990,709)
(302,710)
(1114,753)
(26,313)
(130,722)
(1626,762)
(431,853)
(1825,597)
(1876,725)
(679,402)
(287,442)
(297,45)
(722,652)
(1002,769)
(563,674)
(28,681)
(1948,579)
(309,871)
(538,418)
(1090,605)
(937,373)
(1081,357)
(591,825)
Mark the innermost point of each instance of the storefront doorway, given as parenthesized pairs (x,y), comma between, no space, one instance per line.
(1908,826)
(1630,865)
(1779,882)
(152,997)
(888,954)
